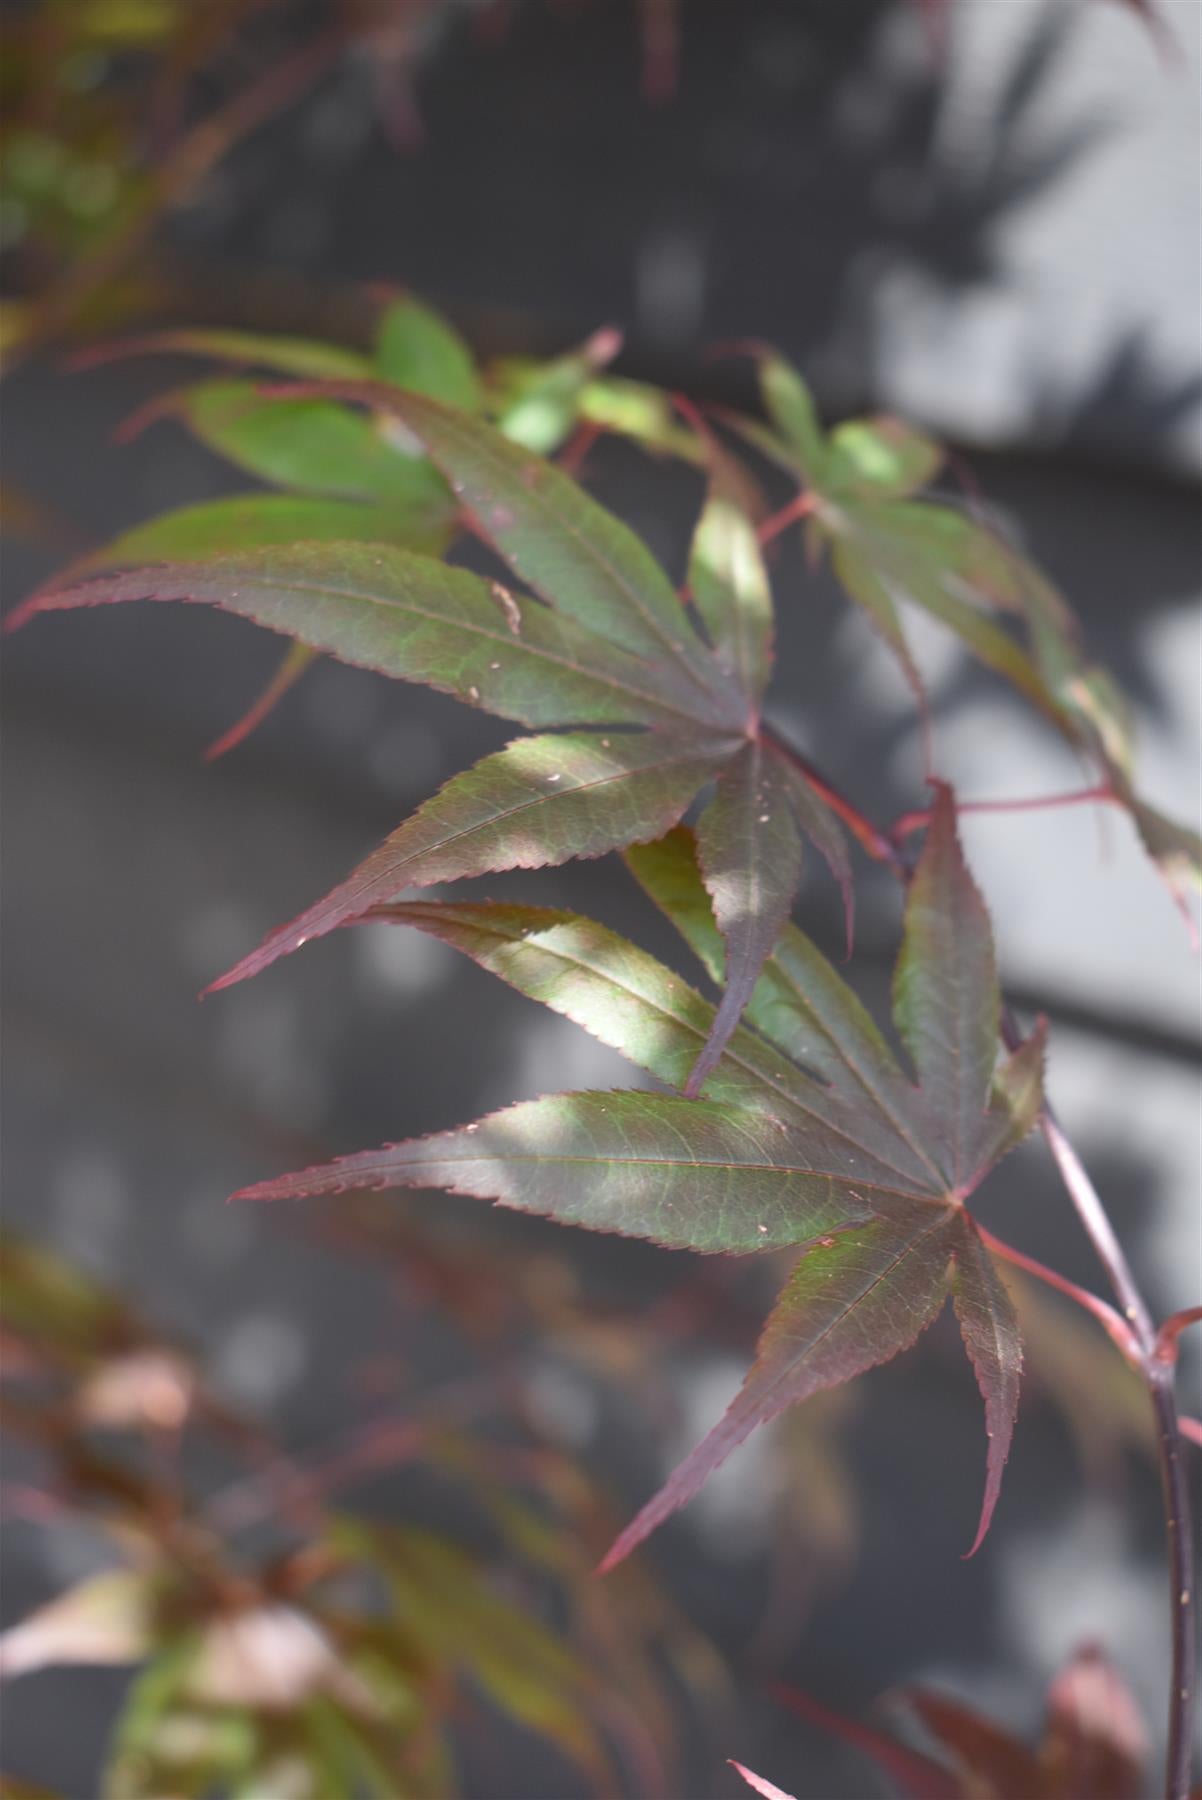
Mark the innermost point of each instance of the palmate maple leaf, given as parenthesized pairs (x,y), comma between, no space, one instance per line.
(638,701)
(893,548)
(809,1132)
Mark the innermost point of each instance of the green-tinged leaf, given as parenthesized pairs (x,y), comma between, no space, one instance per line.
(573,552)
(858,575)
(254,521)
(628,1000)
(1175,849)
(417,350)
(1101,702)
(881,456)
(750,853)
(946,996)
(608,986)
(410,617)
(538,403)
(730,588)
(149,1702)
(1016,1099)
(790,406)
(12,1787)
(800,1002)
(688,1174)
(318,446)
(855,1299)
(667,871)
(934,558)
(346,1754)
(645,414)
(54,1304)
(306,357)
(537,803)
(530,1675)
(989,1327)
(108,1618)
(859,1160)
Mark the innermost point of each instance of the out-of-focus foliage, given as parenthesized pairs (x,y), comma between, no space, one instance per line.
(286,1643)
(650,695)
(115,113)
(1094,1744)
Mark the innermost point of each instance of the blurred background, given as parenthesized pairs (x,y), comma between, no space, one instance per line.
(984,215)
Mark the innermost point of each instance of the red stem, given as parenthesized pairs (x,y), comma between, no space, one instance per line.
(1158,1378)
(911,822)
(1140,1341)
(1171,1329)
(1116,1327)
(800,507)
(869,836)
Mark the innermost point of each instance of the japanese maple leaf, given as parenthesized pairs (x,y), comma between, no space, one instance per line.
(1094,1744)
(810,1132)
(638,702)
(892,547)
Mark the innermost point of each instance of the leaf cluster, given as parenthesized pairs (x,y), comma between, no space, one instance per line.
(276,1634)
(789,1121)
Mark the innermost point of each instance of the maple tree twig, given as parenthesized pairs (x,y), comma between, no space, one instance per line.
(1140,1340)
(1100,793)
(1115,1326)
(1157,1373)
(876,842)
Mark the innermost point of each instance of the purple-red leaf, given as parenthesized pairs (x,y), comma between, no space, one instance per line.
(758,1783)
(410,617)
(851,1160)
(946,999)
(916,1775)
(749,848)
(994,1765)
(856,1298)
(573,552)
(1095,1742)
(689,1174)
(538,802)
(989,1327)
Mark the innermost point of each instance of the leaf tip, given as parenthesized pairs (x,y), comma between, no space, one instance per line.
(21,615)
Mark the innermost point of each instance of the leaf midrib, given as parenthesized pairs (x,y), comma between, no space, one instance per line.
(865,1294)
(484,450)
(766,1082)
(687,753)
(504,637)
(558,1158)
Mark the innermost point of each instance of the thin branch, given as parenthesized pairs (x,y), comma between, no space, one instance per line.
(869,836)
(800,507)
(1112,1323)
(1171,1329)
(1100,794)
(1142,1345)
